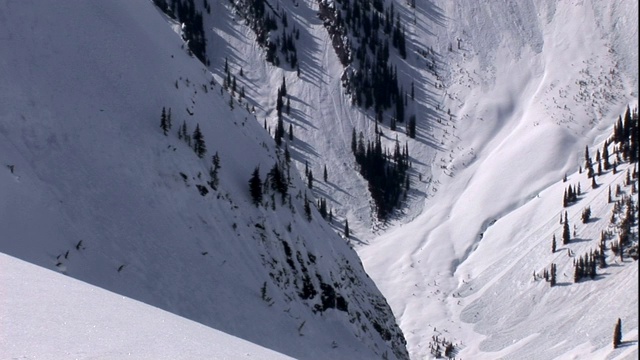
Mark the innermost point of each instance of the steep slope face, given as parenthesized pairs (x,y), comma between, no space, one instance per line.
(92,188)
(77,320)
(321,116)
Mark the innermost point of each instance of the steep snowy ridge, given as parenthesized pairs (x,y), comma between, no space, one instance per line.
(93,189)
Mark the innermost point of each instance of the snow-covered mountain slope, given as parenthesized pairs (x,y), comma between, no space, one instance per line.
(92,188)
(508,94)
(77,320)
(530,86)
(519,89)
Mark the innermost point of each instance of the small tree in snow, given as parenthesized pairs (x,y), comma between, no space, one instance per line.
(586,214)
(255,187)
(198,142)
(165,121)
(617,334)
(566,230)
(347,233)
(307,207)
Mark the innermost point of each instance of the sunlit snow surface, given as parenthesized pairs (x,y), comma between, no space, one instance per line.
(531,85)
(45,315)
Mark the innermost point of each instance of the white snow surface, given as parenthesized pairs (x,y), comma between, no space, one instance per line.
(46,315)
(532,83)
(521,121)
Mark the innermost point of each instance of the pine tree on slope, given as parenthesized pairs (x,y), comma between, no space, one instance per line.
(566,230)
(617,334)
(198,142)
(255,187)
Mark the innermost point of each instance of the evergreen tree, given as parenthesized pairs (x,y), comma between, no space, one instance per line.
(566,230)
(324,173)
(310,180)
(553,243)
(627,179)
(617,334)
(279,104)
(577,274)
(586,214)
(279,131)
(353,141)
(412,91)
(255,186)
(587,158)
(278,181)
(213,171)
(287,154)
(552,275)
(198,142)
(216,161)
(283,87)
(164,124)
(323,208)
(290,132)
(185,135)
(347,233)
(570,194)
(307,207)
(234,85)
(411,127)
(590,172)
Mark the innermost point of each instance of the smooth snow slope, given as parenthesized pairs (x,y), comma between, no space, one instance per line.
(50,316)
(91,187)
(532,83)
